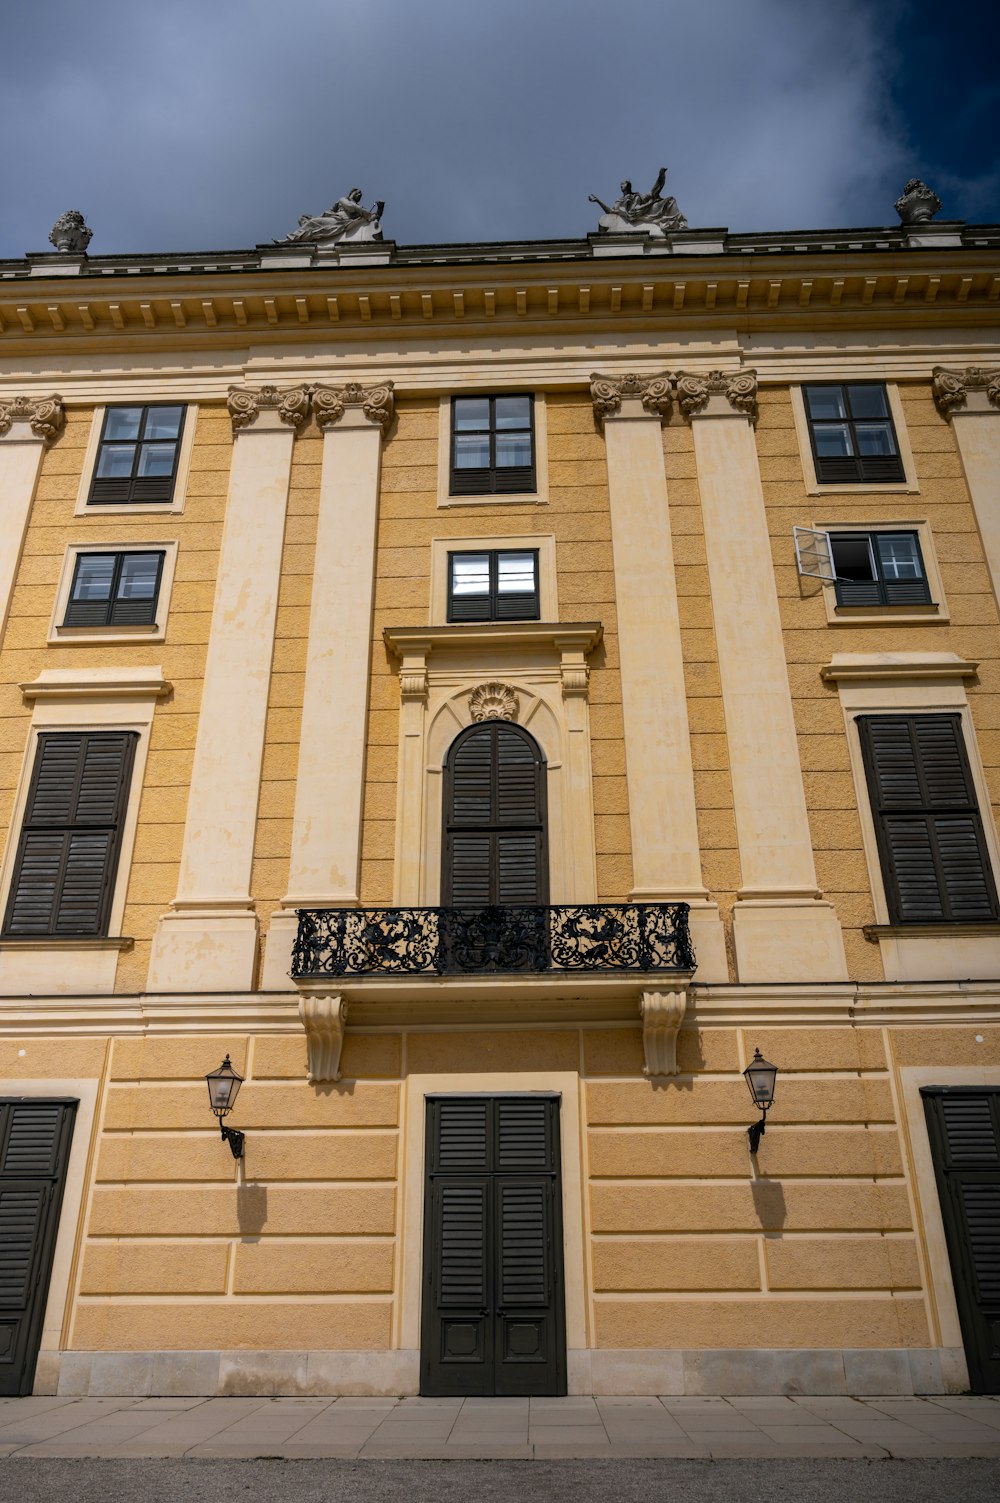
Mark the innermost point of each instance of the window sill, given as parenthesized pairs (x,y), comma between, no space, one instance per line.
(513,498)
(101,635)
(65,942)
(874,932)
(853,487)
(881,615)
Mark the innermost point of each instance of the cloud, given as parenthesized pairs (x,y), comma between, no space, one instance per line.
(193,126)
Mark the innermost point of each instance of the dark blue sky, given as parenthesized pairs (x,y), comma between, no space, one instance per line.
(213,124)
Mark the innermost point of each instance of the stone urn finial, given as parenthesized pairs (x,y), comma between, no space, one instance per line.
(917,204)
(70,234)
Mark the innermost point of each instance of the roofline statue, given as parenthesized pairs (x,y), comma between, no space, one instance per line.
(345,221)
(640,213)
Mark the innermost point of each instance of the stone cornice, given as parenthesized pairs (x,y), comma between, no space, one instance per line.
(290,404)
(421,641)
(654,392)
(881,667)
(331,402)
(952,387)
(738,389)
(44,415)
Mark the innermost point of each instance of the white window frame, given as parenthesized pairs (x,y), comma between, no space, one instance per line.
(909,486)
(153,632)
(538,497)
(138,508)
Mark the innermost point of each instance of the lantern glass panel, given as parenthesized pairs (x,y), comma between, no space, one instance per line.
(223,1087)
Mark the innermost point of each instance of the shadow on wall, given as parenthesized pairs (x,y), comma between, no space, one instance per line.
(251,1208)
(769,1201)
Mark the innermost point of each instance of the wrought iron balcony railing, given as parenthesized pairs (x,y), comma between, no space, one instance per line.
(590,937)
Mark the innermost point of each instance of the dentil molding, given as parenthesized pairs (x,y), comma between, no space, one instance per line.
(45,416)
(952,387)
(246,404)
(331,402)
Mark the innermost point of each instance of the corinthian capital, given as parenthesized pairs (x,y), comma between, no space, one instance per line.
(246,404)
(374,402)
(952,388)
(608,392)
(738,388)
(44,415)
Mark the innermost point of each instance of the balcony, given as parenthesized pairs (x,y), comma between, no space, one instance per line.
(567,940)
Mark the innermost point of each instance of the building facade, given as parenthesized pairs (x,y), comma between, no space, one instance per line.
(487,693)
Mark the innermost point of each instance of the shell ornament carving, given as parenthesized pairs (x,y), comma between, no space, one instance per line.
(493,701)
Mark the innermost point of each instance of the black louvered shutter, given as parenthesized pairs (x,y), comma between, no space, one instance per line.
(34,1148)
(494,835)
(963,1124)
(493,1320)
(68,852)
(935,862)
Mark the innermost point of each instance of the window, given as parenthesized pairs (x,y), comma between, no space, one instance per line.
(114,589)
(494,819)
(852,433)
(879,568)
(932,849)
(492,445)
(137,455)
(495,585)
(70,842)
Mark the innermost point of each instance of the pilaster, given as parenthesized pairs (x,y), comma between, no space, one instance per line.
(970,400)
(666,856)
(208,941)
(329,794)
(782,928)
(28,425)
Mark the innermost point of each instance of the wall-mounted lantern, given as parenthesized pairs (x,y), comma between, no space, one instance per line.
(760,1076)
(223,1089)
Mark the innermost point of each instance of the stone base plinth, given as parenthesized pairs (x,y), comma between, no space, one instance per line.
(787,939)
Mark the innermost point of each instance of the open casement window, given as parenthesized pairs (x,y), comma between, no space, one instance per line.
(67,856)
(852,433)
(935,863)
(114,589)
(499,585)
(492,445)
(878,568)
(137,455)
(494,819)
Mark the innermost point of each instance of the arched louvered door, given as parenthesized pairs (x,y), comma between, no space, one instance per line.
(494,848)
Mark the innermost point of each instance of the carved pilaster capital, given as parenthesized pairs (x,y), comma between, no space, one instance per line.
(608,392)
(45,416)
(375,402)
(738,388)
(413,684)
(952,388)
(662,1014)
(324,1019)
(246,404)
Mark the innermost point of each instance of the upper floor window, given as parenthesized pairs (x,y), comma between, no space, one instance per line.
(114,589)
(492,445)
(494,848)
(67,855)
(879,568)
(137,455)
(495,585)
(932,847)
(852,433)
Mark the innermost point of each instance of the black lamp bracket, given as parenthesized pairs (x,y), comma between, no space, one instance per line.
(756,1131)
(234,1138)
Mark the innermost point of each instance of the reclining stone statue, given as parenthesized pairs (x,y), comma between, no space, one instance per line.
(346,220)
(640,213)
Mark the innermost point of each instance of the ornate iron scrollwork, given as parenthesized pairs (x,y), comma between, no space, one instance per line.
(642,937)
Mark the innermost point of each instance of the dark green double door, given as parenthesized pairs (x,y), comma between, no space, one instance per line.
(963,1123)
(35,1138)
(493,1317)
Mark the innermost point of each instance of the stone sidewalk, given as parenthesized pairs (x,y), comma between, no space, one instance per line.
(501,1428)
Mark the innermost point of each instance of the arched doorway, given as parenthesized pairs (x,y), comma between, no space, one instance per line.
(494,850)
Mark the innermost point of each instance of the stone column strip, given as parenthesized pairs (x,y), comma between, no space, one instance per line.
(325,867)
(666,856)
(28,425)
(970,400)
(782,931)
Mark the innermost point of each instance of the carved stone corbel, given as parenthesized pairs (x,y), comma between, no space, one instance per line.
(246,404)
(662,1014)
(738,388)
(331,402)
(608,392)
(45,416)
(324,1020)
(952,388)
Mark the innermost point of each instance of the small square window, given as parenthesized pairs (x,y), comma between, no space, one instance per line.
(492,445)
(137,455)
(495,585)
(852,433)
(879,568)
(114,589)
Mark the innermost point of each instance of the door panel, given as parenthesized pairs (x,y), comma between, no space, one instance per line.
(34,1148)
(963,1124)
(493,1319)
